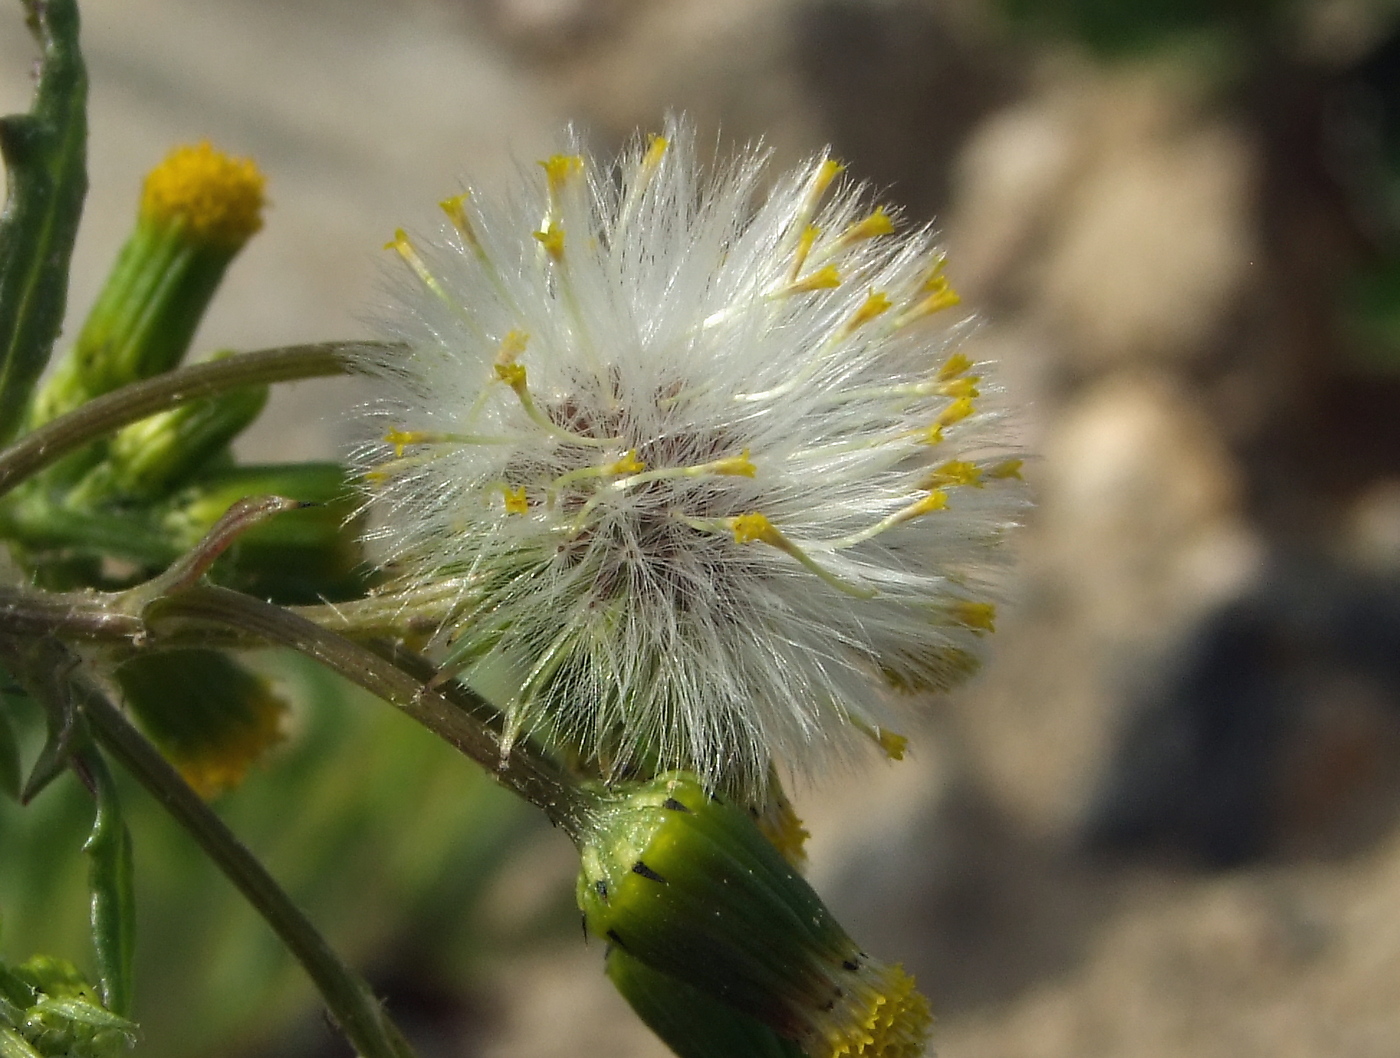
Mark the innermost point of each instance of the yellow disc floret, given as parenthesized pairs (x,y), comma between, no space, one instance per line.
(216,199)
(879,1014)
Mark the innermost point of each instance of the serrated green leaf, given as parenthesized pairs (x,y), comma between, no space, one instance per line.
(45,157)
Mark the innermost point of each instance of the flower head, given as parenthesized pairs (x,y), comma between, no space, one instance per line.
(702,459)
(683,883)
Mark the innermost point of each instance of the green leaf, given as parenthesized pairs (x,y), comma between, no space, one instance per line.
(45,156)
(110,880)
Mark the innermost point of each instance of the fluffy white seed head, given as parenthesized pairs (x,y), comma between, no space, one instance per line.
(697,463)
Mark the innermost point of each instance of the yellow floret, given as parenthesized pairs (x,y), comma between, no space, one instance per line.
(882,1017)
(216,199)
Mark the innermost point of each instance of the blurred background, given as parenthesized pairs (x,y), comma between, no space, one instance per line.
(1165,819)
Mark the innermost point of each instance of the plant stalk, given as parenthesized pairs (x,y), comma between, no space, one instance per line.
(400,677)
(102,415)
(347,996)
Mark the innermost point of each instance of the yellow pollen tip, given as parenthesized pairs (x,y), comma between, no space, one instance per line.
(954,366)
(656,149)
(217,199)
(961,387)
(628,464)
(955,472)
(959,410)
(1009,469)
(753,526)
(784,830)
(873,306)
(512,375)
(516,503)
(512,345)
(401,438)
(739,466)
(891,1020)
(805,242)
(456,210)
(560,168)
(979,616)
(822,279)
(877,224)
(552,239)
(932,436)
(937,500)
(828,171)
(893,745)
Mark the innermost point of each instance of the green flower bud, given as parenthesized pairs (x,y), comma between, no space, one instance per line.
(153,456)
(208,714)
(691,1022)
(686,884)
(198,208)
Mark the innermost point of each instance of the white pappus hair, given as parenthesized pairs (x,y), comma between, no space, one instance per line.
(699,464)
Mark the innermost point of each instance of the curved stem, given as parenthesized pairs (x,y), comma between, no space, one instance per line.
(400,677)
(347,996)
(102,415)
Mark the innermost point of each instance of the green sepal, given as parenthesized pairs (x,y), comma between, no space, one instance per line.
(209,715)
(45,159)
(110,883)
(691,1022)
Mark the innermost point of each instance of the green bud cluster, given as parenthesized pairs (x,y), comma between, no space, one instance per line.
(48,1010)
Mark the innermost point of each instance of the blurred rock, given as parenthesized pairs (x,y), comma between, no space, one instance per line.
(1273,727)
(1141,512)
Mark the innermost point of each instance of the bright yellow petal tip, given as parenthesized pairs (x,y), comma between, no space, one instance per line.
(871,307)
(740,466)
(516,502)
(1009,469)
(884,1016)
(822,279)
(656,148)
(979,616)
(955,472)
(560,168)
(753,526)
(512,375)
(959,410)
(512,345)
(552,239)
(628,464)
(784,830)
(216,199)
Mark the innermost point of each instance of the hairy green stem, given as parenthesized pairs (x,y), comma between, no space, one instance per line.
(347,996)
(110,412)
